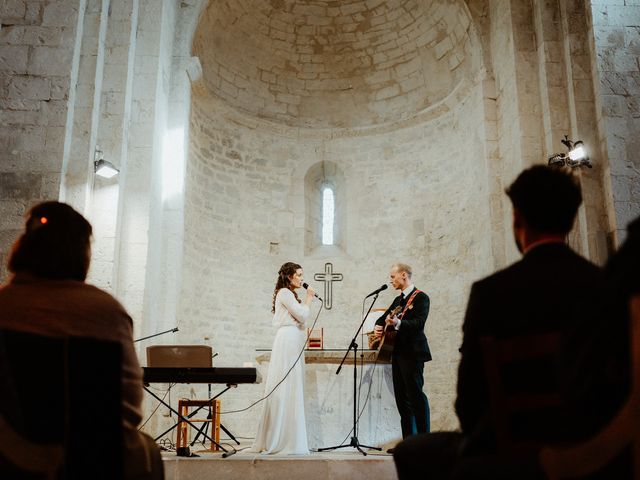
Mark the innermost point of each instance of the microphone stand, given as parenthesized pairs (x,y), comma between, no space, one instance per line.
(353,345)
(174,329)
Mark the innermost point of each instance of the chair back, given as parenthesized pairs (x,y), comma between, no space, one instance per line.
(523,390)
(61,404)
(592,454)
(179,356)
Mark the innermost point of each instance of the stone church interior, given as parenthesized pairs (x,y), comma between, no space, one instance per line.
(209,142)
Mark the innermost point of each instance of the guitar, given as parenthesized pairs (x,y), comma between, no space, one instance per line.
(385,349)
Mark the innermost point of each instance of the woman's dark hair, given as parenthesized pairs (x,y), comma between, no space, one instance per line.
(286,270)
(55,244)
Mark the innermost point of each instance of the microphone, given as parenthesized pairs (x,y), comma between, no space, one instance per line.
(306,285)
(377,291)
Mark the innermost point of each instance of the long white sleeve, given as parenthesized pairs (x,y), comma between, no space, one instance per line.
(288,311)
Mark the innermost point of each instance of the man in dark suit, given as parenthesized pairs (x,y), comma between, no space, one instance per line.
(410,350)
(548,290)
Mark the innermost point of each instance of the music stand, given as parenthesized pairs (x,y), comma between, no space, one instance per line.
(353,345)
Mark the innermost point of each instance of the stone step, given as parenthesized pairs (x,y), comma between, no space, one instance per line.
(347,464)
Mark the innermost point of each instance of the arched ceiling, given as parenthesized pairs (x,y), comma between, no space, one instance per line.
(334,64)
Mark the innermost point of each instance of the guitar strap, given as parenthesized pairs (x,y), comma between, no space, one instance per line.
(411,297)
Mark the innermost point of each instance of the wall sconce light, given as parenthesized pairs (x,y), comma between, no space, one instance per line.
(102,167)
(577,156)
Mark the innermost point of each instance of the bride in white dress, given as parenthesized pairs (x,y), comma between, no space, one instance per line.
(282,427)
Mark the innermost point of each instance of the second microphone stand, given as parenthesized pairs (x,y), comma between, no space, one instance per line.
(353,345)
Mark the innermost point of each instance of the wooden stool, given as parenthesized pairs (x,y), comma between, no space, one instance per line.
(183,427)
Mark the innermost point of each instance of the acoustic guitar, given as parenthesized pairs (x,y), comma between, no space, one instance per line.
(385,349)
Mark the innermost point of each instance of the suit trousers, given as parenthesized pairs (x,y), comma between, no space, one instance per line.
(411,401)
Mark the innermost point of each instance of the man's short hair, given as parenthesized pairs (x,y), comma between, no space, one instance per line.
(547,198)
(403,267)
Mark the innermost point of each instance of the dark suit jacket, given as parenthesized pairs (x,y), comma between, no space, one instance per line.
(549,290)
(411,339)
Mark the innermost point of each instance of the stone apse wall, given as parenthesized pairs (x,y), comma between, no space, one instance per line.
(401,136)
(225,116)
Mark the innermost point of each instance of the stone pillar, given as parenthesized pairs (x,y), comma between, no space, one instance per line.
(160,124)
(514,61)
(567,101)
(593,215)
(544,91)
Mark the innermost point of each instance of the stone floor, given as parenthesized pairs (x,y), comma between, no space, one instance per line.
(344,463)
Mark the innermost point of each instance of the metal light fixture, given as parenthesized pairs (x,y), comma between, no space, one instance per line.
(102,167)
(576,157)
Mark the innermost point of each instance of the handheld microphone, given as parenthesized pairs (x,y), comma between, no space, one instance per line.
(306,285)
(377,291)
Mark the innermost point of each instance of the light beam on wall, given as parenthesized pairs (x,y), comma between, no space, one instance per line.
(172,165)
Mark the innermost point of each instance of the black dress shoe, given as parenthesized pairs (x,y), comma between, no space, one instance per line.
(391,450)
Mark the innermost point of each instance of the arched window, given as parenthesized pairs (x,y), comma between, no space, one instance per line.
(325,208)
(328,214)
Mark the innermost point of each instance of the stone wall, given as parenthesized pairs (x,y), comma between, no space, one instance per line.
(37,42)
(416,194)
(615,32)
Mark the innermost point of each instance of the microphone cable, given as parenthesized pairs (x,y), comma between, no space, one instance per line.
(304,347)
(157,407)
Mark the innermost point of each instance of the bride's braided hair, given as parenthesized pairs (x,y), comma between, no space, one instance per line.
(286,270)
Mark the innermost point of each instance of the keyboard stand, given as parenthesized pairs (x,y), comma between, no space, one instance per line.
(185,419)
(201,429)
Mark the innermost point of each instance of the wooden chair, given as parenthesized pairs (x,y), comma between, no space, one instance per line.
(507,404)
(60,406)
(524,401)
(622,431)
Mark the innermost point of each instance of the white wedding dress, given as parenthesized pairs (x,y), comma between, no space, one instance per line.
(282,427)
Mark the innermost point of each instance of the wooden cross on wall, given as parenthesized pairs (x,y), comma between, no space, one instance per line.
(328,277)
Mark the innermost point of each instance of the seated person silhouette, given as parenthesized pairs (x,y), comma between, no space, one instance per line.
(47,295)
(596,357)
(546,291)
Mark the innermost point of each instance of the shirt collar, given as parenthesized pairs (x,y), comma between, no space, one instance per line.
(544,241)
(408,290)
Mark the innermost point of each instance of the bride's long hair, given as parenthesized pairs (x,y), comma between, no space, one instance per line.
(283,281)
